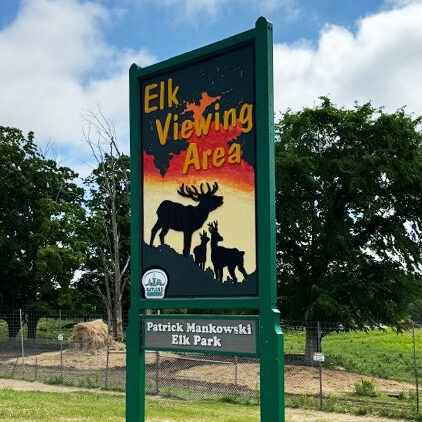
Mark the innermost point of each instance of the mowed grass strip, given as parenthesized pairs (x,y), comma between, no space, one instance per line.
(30,406)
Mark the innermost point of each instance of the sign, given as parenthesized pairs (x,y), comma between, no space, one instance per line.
(319,357)
(203,211)
(235,335)
(60,337)
(197,144)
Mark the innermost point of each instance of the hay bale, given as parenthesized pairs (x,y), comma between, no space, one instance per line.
(91,335)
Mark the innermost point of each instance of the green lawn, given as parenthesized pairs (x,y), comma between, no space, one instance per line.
(383,354)
(3,329)
(25,406)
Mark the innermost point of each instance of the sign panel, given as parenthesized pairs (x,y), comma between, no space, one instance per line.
(198,152)
(201,334)
(319,357)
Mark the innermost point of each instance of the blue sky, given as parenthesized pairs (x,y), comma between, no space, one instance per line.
(61,58)
(173,29)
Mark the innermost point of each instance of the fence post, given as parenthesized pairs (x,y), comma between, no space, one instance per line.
(61,361)
(22,347)
(107,363)
(415,367)
(235,372)
(157,372)
(320,367)
(36,368)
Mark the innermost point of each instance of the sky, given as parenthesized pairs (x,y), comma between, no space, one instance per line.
(60,59)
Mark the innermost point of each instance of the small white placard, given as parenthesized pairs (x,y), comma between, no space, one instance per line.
(60,337)
(319,357)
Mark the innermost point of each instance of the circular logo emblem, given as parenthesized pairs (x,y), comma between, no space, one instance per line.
(154,282)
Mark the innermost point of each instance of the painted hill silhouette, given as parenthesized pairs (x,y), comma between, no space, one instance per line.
(186,279)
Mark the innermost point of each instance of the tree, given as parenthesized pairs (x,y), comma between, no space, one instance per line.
(349,215)
(40,210)
(108,223)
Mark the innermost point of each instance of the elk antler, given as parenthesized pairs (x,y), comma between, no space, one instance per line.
(189,192)
(210,190)
(214,188)
(213,226)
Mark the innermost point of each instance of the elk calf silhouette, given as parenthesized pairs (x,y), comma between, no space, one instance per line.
(186,218)
(200,251)
(224,257)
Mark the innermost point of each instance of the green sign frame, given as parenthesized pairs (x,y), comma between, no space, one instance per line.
(271,345)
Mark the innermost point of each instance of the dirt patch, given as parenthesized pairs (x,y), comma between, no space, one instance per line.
(20,385)
(298,379)
(298,415)
(78,359)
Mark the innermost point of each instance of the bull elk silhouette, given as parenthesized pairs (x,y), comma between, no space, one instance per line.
(186,218)
(224,257)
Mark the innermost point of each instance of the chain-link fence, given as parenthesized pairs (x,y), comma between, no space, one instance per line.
(327,366)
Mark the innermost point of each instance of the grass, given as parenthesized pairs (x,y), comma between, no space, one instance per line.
(47,328)
(379,353)
(3,329)
(28,406)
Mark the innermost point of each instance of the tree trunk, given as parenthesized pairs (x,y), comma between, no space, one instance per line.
(312,345)
(13,324)
(119,335)
(32,320)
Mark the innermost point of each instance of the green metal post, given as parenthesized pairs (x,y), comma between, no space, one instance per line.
(135,371)
(271,335)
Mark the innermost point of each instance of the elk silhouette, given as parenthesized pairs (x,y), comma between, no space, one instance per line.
(186,218)
(224,257)
(200,251)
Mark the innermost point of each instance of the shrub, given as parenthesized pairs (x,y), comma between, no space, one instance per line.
(366,388)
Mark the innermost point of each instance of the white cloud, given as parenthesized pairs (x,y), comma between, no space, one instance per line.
(55,63)
(381,62)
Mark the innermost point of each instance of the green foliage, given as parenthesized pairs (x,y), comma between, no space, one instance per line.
(49,328)
(366,388)
(3,329)
(349,212)
(40,231)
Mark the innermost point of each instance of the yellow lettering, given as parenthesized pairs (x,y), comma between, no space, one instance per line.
(218,157)
(171,93)
(187,129)
(163,132)
(217,117)
(162,87)
(202,126)
(175,127)
(192,158)
(148,97)
(245,117)
(207,153)
(235,154)
(231,113)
